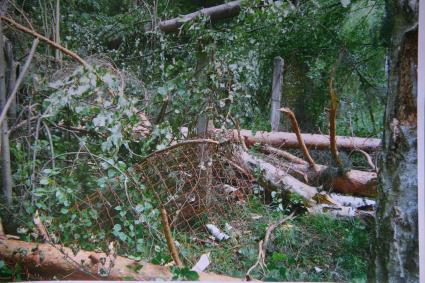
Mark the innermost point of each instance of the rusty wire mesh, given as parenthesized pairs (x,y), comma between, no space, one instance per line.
(196,182)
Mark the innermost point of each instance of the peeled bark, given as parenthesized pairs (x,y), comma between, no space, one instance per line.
(316,202)
(396,246)
(44,261)
(289,140)
(353,182)
(278,178)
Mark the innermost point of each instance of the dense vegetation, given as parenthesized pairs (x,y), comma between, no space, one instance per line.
(77,136)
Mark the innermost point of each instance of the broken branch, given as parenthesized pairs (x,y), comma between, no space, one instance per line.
(297,131)
(169,238)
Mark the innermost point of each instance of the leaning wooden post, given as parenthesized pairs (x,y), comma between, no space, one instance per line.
(276,93)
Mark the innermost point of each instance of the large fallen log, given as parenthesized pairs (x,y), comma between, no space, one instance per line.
(278,178)
(44,261)
(316,202)
(289,140)
(353,182)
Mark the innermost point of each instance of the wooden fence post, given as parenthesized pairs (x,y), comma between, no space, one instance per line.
(278,64)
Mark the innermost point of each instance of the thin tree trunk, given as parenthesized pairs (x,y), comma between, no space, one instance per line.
(396,245)
(11,80)
(5,149)
(57,31)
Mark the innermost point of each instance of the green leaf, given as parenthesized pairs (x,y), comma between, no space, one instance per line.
(44,181)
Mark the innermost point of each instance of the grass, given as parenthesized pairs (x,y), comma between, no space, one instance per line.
(307,248)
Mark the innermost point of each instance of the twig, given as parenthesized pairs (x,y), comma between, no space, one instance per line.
(57,46)
(46,40)
(169,237)
(34,155)
(262,246)
(284,154)
(297,131)
(52,150)
(18,81)
(368,158)
(197,141)
(41,228)
(238,128)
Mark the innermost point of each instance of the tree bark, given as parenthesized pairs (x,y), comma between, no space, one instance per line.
(278,64)
(289,140)
(5,149)
(396,246)
(353,182)
(50,262)
(215,13)
(277,179)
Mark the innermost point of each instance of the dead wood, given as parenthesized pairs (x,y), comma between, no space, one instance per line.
(278,178)
(353,182)
(262,246)
(169,238)
(215,13)
(46,40)
(41,228)
(46,261)
(368,159)
(300,139)
(289,140)
(284,154)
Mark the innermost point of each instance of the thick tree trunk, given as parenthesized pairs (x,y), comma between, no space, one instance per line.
(277,179)
(353,182)
(396,246)
(289,140)
(44,261)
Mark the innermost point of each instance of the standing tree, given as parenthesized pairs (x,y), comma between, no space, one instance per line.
(396,248)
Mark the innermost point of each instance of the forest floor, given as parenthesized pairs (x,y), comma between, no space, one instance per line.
(306,248)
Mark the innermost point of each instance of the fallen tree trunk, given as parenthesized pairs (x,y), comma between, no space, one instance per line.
(316,202)
(289,140)
(278,178)
(354,182)
(215,13)
(44,261)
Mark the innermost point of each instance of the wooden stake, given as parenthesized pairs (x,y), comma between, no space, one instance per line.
(169,237)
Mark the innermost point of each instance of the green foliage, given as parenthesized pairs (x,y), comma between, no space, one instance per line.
(76,164)
(184,274)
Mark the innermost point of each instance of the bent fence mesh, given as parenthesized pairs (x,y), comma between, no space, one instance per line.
(197,182)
